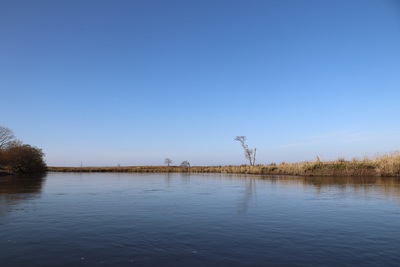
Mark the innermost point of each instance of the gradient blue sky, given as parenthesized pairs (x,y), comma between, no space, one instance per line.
(134,82)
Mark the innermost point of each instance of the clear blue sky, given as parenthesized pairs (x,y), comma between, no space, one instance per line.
(133,82)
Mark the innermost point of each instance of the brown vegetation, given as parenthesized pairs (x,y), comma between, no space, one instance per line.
(385,165)
(16,157)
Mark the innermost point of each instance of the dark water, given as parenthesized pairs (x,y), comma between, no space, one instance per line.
(198,220)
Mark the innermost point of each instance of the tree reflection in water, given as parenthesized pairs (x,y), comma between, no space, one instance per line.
(15,189)
(249,192)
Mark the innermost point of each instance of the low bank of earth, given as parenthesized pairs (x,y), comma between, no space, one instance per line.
(301,169)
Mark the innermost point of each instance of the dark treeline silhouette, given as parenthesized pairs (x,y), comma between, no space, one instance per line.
(16,157)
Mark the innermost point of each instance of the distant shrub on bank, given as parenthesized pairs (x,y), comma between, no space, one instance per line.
(16,157)
(23,159)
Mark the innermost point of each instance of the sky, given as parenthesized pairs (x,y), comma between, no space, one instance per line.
(102,83)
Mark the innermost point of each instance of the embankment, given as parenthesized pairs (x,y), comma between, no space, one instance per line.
(381,165)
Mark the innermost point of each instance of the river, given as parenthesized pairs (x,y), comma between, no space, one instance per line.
(111,219)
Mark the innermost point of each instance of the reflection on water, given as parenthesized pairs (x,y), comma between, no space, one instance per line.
(249,193)
(387,186)
(186,219)
(18,188)
(384,186)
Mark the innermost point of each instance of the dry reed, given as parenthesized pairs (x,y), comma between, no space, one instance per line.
(381,165)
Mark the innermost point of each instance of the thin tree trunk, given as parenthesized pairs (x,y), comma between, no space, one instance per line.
(254,156)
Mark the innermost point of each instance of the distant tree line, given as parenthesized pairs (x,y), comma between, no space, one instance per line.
(17,157)
(185,163)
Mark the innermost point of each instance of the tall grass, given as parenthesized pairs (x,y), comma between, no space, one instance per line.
(388,165)
(380,165)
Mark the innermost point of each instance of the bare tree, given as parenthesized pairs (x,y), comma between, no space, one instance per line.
(168,161)
(6,136)
(185,164)
(250,154)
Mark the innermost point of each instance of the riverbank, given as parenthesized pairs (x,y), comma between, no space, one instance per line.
(381,165)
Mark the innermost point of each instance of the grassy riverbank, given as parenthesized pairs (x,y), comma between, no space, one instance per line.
(381,165)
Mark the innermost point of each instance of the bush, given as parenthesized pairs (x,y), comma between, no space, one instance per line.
(20,158)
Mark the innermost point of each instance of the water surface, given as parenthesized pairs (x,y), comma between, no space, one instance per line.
(198,220)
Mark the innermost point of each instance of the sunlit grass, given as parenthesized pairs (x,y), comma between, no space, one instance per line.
(380,165)
(388,165)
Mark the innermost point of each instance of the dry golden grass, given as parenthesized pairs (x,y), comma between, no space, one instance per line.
(381,165)
(388,165)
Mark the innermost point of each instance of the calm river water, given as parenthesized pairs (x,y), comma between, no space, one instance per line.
(110,219)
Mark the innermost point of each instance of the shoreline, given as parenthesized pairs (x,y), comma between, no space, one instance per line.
(298,169)
(386,165)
